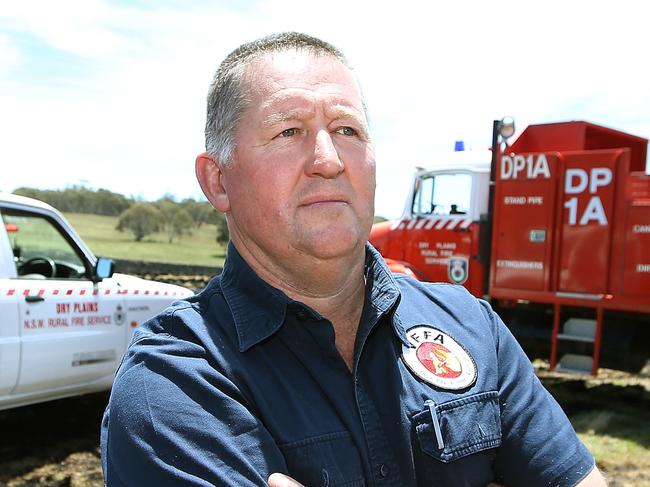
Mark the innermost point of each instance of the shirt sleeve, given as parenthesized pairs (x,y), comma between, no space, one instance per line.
(539,445)
(174,419)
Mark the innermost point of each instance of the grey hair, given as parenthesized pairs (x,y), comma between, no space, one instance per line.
(227,98)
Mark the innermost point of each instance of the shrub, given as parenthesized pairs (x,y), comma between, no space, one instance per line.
(141,219)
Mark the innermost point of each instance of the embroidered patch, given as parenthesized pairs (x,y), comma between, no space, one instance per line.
(438,359)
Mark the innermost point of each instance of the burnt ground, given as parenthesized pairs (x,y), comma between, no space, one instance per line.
(56,443)
(52,444)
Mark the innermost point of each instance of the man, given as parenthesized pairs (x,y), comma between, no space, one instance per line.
(306,360)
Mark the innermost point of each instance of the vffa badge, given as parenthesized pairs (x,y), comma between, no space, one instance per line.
(438,359)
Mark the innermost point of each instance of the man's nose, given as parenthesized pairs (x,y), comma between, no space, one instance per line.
(326,162)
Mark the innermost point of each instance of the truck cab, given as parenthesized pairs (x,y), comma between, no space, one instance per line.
(65,318)
(448,199)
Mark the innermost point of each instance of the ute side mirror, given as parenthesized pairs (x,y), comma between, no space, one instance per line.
(103,269)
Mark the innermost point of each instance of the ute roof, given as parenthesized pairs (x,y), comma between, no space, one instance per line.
(24,201)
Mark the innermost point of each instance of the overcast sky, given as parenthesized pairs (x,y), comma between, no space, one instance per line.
(112,93)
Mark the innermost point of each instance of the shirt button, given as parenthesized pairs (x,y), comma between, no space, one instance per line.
(384,470)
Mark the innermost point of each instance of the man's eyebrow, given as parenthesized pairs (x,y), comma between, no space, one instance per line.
(279,117)
(336,111)
(343,111)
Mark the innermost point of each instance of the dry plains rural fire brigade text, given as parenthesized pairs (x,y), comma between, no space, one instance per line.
(65,318)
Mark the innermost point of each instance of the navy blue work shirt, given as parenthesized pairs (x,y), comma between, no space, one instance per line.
(240,381)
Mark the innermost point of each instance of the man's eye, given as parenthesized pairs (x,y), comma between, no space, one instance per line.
(349,131)
(288,133)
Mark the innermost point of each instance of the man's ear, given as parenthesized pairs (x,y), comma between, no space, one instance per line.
(210,177)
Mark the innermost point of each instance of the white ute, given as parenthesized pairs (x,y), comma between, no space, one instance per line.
(65,318)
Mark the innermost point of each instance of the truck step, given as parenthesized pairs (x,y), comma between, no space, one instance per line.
(573,363)
(578,330)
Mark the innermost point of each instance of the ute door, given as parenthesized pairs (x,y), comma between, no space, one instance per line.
(9,335)
(71,329)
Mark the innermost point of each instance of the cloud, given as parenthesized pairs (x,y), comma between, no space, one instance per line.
(10,55)
(81,27)
(119,97)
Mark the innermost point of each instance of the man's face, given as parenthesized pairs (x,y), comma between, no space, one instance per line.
(302,178)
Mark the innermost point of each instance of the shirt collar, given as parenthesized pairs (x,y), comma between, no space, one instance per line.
(382,293)
(259,310)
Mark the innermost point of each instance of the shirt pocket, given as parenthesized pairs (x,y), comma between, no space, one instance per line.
(330,460)
(455,429)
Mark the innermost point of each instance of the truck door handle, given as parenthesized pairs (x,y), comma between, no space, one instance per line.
(34,299)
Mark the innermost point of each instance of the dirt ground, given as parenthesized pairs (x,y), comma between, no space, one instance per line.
(56,443)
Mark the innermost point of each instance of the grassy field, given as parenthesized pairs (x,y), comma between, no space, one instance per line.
(100,235)
(620,442)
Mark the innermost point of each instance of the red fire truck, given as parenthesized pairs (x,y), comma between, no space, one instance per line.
(554,230)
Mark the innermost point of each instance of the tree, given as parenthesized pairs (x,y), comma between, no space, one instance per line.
(106,202)
(223,236)
(141,219)
(78,199)
(176,220)
(201,211)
